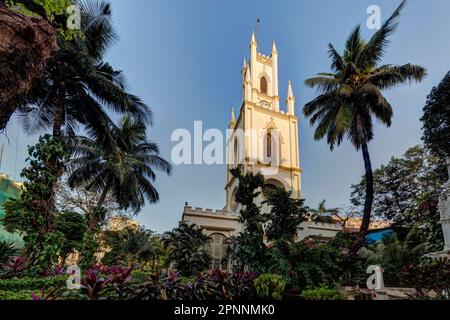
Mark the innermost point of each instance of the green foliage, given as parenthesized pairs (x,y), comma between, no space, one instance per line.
(215,286)
(407,192)
(73,226)
(352,94)
(431,275)
(32,283)
(7,250)
(187,249)
(77,84)
(286,214)
(6,295)
(308,263)
(132,247)
(321,293)
(33,214)
(54,11)
(91,244)
(395,257)
(270,286)
(248,248)
(122,164)
(436,120)
(351,97)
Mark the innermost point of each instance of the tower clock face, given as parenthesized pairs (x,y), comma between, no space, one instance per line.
(266,104)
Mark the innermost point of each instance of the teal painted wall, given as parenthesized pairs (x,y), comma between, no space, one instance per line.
(8,190)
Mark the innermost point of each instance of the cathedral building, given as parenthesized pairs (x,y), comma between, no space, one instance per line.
(264,138)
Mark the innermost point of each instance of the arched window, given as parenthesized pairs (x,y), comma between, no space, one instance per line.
(271,185)
(218,251)
(235,152)
(263,85)
(269,145)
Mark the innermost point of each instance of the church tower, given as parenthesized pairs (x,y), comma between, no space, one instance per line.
(264,136)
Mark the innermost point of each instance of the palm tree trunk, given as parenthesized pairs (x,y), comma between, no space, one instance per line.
(102,198)
(368,201)
(26,44)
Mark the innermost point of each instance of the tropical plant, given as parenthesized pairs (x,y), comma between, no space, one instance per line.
(77,84)
(394,256)
(286,214)
(270,286)
(187,245)
(130,247)
(431,274)
(122,163)
(7,251)
(351,96)
(322,213)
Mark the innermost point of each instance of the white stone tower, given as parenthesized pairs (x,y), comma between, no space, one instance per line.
(264,136)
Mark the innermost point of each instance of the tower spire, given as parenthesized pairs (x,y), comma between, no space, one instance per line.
(274,47)
(253,39)
(290,100)
(232,120)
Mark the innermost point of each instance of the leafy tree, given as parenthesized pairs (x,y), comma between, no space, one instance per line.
(73,226)
(83,201)
(436,120)
(286,214)
(406,193)
(187,245)
(77,83)
(248,247)
(121,164)
(33,214)
(352,95)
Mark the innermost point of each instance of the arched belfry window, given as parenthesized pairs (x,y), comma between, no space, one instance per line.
(263,85)
(269,145)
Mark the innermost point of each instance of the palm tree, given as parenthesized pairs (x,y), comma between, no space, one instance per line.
(394,255)
(122,162)
(187,245)
(130,246)
(351,96)
(77,83)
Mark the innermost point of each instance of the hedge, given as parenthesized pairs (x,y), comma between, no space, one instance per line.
(27,283)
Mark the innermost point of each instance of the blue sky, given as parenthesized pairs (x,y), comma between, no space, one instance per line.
(183,57)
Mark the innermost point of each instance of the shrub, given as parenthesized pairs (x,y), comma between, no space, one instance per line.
(270,286)
(321,293)
(16,295)
(430,275)
(217,285)
(18,284)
